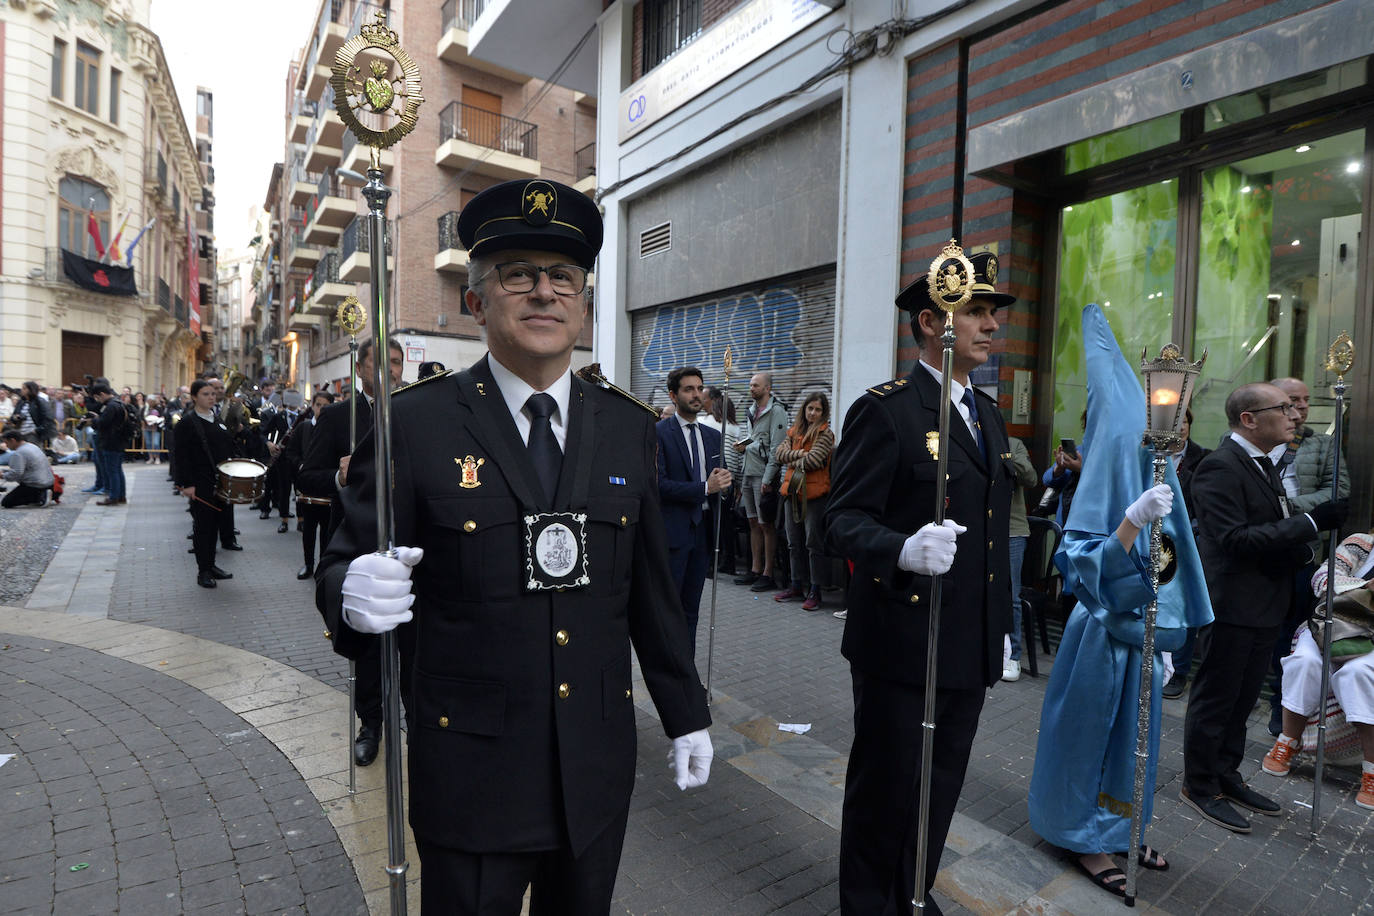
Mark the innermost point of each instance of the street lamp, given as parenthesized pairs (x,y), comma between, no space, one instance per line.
(1169,384)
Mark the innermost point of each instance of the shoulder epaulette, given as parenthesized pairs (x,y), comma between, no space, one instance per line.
(591,374)
(421,381)
(890,388)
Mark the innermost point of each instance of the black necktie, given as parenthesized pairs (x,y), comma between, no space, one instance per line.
(973,418)
(696,455)
(543,447)
(1272,473)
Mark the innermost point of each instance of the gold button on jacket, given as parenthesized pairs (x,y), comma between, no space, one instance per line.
(564,691)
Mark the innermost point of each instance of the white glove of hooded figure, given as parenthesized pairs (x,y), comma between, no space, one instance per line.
(1154,503)
(930,551)
(376,590)
(691,757)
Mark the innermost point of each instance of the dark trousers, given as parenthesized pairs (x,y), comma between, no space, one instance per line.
(367,688)
(23,495)
(1300,610)
(314,521)
(1234,661)
(455,883)
(113,464)
(882,791)
(225,519)
(689,566)
(282,494)
(205,523)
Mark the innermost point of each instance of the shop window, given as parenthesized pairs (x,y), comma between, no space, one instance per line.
(1301,90)
(87,77)
(1120,144)
(1118,251)
(1277,255)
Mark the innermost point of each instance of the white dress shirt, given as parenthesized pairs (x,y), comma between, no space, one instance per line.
(516,391)
(956,395)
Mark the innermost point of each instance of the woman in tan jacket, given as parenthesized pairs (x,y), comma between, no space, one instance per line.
(805,457)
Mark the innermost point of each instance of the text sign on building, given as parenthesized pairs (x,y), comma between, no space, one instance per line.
(727,46)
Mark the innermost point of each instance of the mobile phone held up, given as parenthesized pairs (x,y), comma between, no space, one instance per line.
(1067,446)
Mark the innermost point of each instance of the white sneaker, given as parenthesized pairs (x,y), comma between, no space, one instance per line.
(841,615)
(1011,670)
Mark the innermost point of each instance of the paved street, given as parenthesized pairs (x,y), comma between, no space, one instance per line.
(178,750)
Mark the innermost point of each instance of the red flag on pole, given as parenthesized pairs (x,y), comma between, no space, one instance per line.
(94,229)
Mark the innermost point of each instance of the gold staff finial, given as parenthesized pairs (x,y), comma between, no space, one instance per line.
(351,315)
(1341,355)
(951,278)
(374,79)
(727,361)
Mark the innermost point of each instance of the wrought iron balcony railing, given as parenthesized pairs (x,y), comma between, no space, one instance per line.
(487,128)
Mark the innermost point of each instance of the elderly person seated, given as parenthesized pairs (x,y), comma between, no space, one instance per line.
(29,469)
(1352,674)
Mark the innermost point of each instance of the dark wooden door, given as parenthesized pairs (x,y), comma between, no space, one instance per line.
(82,355)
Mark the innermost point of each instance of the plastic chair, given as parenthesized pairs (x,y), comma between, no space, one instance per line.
(1037,583)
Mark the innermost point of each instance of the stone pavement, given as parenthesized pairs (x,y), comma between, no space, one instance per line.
(189,747)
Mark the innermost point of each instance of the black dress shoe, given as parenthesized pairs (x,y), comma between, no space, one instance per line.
(1217,810)
(1247,797)
(265,514)
(748,578)
(763,584)
(234,546)
(206,580)
(220,574)
(190,550)
(365,745)
(1177,684)
(283,527)
(305,572)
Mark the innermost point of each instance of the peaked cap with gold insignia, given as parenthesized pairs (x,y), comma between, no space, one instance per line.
(535,214)
(915,297)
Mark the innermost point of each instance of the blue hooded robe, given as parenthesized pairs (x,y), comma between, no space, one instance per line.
(1082,787)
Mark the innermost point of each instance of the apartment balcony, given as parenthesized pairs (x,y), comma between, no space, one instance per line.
(456,19)
(304,321)
(584,168)
(452,256)
(303,185)
(487,143)
(328,212)
(355,250)
(326,289)
(329,34)
(331,129)
(302,255)
(299,129)
(358,157)
(320,156)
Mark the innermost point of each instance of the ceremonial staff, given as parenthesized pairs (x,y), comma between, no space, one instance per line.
(951,286)
(720,510)
(1339,358)
(380,106)
(352,317)
(1169,385)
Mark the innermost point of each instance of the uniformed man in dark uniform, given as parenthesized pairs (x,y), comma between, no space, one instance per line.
(324,472)
(880,516)
(200,444)
(312,508)
(528,501)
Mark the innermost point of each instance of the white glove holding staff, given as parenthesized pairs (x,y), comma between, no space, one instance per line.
(376,590)
(1153,504)
(691,757)
(930,551)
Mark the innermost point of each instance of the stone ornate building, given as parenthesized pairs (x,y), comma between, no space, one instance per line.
(92,130)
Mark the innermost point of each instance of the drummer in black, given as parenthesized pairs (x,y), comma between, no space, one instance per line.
(200,444)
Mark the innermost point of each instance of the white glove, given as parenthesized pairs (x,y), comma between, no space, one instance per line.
(1154,503)
(930,551)
(1168,664)
(691,758)
(376,590)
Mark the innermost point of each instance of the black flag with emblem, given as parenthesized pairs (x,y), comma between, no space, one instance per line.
(98,277)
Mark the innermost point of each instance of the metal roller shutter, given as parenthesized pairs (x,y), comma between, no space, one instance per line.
(785,326)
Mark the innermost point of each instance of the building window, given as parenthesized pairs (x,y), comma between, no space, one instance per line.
(114,95)
(668,25)
(75,198)
(87,77)
(59,66)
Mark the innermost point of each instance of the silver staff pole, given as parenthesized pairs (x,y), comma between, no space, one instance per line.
(950,283)
(353,318)
(1168,389)
(1339,358)
(390,95)
(721,509)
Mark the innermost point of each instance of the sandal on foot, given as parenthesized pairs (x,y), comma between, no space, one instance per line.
(1148,858)
(1112,880)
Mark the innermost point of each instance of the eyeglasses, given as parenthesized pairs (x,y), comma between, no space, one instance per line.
(522,277)
(1287,408)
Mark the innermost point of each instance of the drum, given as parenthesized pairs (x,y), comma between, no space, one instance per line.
(240,480)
